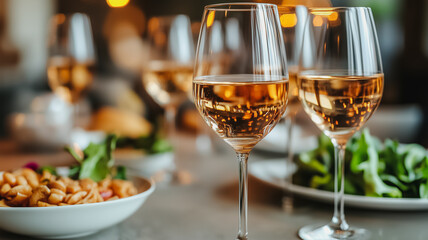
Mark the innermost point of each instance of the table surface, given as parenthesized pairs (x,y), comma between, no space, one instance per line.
(207,206)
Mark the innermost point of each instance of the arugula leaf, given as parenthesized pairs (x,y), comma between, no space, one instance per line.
(365,159)
(74,172)
(152,143)
(73,153)
(423,190)
(97,161)
(120,173)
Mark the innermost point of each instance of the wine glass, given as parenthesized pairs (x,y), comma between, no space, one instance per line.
(71,57)
(167,77)
(340,85)
(241,89)
(292,20)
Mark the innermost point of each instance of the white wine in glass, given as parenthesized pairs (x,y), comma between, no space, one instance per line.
(340,84)
(68,78)
(239,110)
(167,82)
(339,105)
(240,83)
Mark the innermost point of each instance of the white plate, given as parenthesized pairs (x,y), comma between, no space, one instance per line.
(273,172)
(276,140)
(144,164)
(73,221)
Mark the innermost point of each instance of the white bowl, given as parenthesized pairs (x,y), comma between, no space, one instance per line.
(73,221)
(144,164)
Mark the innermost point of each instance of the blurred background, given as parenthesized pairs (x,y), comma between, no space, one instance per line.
(120,38)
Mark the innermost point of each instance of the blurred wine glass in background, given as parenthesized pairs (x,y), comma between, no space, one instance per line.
(167,76)
(292,20)
(71,58)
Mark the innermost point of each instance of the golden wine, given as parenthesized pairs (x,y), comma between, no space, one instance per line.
(68,78)
(294,91)
(339,105)
(240,110)
(167,83)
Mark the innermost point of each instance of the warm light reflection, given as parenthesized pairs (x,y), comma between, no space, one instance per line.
(153,25)
(317,22)
(117,3)
(288,20)
(333,16)
(59,18)
(323,12)
(307,3)
(210,19)
(159,39)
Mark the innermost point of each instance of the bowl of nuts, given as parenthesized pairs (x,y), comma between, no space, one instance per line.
(66,202)
(49,206)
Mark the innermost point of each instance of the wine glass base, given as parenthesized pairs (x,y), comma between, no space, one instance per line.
(241,238)
(327,232)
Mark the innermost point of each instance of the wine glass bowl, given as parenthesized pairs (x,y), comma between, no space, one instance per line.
(240,83)
(339,103)
(242,109)
(340,84)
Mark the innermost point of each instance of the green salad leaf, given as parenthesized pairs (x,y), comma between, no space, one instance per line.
(375,169)
(120,173)
(152,143)
(97,161)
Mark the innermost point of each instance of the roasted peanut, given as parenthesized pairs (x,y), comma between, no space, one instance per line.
(123,188)
(87,184)
(76,197)
(3,204)
(18,200)
(57,191)
(55,198)
(20,180)
(67,197)
(41,193)
(46,177)
(5,189)
(9,178)
(73,188)
(31,177)
(58,185)
(104,184)
(22,189)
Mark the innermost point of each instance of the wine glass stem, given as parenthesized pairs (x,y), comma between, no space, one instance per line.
(289,126)
(170,114)
(243,196)
(75,113)
(288,199)
(338,221)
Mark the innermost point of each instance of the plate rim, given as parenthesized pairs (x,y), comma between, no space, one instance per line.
(380,203)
